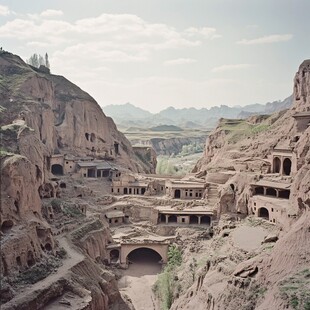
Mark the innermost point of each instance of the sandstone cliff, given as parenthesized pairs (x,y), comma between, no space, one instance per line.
(41,115)
(64,118)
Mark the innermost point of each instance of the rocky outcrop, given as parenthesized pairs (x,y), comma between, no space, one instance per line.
(278,279)
(64,118)
(42,115)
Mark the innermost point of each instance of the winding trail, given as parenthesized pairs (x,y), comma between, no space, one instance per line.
(73,258)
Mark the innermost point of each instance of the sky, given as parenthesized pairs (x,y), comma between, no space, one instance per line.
(160,53)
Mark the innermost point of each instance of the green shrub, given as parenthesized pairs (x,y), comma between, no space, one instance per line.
(167,280)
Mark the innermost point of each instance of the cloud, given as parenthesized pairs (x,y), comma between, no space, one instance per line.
(108,37)
(118,30)
(267,39)
(231,67)
(4,10)
(179,61)
(51,13)
(204,31)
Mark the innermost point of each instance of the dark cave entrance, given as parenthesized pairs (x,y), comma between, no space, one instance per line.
(264,213)
(57,169)
(144,255)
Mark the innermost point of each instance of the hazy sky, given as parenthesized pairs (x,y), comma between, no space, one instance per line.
(160,53)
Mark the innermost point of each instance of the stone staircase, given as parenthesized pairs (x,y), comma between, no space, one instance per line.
(212,194)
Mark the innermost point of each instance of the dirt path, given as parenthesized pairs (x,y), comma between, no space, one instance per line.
(137,282)
(73,258)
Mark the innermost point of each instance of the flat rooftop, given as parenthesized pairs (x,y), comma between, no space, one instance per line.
(277,185)
(302,114)
(114,214)
(100,165)
(281,202)
(195,210)
(186,184)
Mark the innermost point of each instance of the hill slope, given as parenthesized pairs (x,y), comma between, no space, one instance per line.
(276,277)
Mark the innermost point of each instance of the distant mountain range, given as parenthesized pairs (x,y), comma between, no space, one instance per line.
(128,115)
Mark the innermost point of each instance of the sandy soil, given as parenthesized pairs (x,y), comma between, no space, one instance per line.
(137,282)
(249,238)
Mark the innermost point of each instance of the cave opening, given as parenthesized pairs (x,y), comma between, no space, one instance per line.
(144,255)
(6,226)
(57,169)
(114,255)
(264,213)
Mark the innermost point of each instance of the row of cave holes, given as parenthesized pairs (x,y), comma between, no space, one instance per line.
(30,257)
(92,138)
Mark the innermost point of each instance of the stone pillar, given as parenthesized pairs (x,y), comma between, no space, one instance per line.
(265,190)
(199,219)
(167,217)
(277,191)
(281,168)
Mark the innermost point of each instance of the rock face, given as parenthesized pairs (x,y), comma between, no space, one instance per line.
(243,149)
(65,118)
(42,115)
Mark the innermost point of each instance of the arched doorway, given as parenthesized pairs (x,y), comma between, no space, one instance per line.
(264,213)
(205,219)
(287,166)
(125,191)
(177,193)
(114,255)
(193,219)
(144,255)
(57,169)
(172,219)
(276,165)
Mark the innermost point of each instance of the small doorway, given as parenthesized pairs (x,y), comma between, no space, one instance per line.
(177,193)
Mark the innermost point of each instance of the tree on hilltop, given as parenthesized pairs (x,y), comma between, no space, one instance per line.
(37,60)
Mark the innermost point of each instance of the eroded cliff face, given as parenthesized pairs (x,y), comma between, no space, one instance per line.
(65,118)
(277,278)
(42,115)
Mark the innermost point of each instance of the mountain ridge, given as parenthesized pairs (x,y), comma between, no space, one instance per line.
(129,115)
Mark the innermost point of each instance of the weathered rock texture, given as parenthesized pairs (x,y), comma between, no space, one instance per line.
(41,115)
(64,118)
